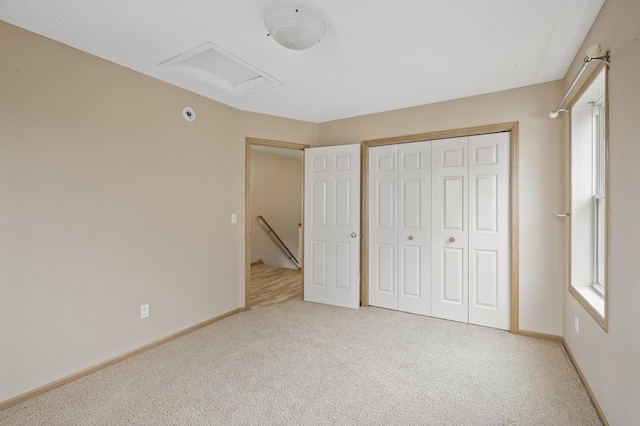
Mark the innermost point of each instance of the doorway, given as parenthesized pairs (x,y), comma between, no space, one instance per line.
(273,262)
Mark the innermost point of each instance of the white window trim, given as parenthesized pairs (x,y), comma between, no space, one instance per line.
(591,186)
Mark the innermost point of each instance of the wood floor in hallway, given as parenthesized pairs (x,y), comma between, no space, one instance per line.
(272,284)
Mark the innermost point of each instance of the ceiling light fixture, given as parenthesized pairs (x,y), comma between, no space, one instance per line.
(294,27)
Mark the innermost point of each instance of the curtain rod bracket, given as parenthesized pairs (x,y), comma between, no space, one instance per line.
(604,58)
(554,113)
(587,60)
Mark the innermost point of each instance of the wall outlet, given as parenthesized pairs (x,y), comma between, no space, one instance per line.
(577,324)
(144,311)
(234,218)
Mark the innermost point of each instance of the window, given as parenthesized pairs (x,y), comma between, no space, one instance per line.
(599,187)
(589,222)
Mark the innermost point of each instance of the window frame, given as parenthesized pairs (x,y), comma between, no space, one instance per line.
(592,294)
(599,170)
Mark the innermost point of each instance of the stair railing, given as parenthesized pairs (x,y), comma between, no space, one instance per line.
(265,225)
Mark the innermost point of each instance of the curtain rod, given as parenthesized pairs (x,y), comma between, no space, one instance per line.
(593,54)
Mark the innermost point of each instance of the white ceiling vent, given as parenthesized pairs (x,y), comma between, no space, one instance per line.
(217,68)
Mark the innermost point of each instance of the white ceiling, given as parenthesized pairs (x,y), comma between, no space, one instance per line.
(377,55)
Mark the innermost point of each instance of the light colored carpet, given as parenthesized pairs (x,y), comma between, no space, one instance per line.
(306,364)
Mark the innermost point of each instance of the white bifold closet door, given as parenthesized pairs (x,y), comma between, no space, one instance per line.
(450,288)
(470,214)
(400,227)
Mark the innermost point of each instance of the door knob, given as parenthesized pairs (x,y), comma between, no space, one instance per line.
(353,235)
(452,240)
(410,237)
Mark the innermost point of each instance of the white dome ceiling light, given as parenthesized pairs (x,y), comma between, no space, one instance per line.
(294,27)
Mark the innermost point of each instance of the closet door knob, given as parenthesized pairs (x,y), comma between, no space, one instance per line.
(410,237)
(452,240)
(353,235)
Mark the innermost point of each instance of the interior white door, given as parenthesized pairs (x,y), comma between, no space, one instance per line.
(400,227)
(449,226)
(489,266)
(332,225)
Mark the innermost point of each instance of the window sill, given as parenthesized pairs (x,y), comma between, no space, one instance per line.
(593,298)
(592,301)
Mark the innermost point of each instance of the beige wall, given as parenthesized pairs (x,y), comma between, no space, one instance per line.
(276,194)
(611,361)
(541,176)
(108,200)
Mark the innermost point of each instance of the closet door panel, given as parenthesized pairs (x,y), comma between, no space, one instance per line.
(450,249)
(452,280)
(489,271)
(414,233)
(383,226)
(410,274)
(484,279)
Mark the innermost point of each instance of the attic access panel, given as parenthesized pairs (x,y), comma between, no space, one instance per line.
(211,65)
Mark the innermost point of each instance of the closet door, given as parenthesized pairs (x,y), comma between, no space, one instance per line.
(414,227)
(449,226)
(383,226)
(471,230)
(489,271)
(400,227)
